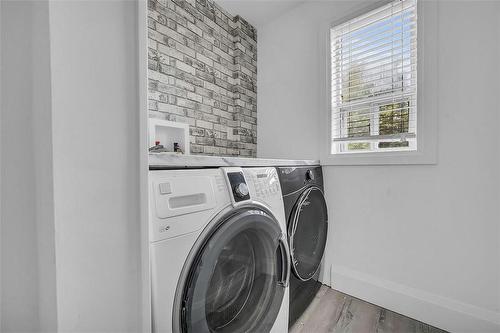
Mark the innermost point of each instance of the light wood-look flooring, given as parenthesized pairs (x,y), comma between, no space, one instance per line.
(333,311)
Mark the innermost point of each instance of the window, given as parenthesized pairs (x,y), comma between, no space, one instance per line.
(374,81)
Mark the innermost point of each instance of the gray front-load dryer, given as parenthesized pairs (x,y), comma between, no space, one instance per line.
(307,218)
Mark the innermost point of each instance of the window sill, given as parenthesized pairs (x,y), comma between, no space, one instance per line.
(382,158)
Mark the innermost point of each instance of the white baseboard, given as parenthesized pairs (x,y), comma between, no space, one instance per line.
(439,311)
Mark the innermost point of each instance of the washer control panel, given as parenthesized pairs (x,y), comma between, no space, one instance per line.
(253,183)
(266,184)
(238,186)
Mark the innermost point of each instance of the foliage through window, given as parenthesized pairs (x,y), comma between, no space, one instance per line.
(374,80)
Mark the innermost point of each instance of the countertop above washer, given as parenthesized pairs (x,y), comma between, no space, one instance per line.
(169,160)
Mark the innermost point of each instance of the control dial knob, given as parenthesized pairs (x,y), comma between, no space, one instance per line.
(309,175)
(241,190)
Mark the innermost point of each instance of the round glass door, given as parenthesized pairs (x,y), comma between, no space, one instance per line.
(237,280)
(307,232)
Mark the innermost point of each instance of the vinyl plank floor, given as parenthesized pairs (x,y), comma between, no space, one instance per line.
(334,312)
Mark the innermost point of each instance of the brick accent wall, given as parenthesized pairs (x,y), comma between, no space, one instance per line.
(203,71)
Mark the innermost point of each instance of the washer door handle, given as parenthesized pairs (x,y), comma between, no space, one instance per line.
(285,261)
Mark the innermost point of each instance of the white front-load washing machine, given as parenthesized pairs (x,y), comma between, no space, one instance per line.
(219,254)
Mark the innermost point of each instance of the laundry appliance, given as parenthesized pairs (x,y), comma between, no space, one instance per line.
(218,251)
(307,218)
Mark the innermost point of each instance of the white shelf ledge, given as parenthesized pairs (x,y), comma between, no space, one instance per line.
(165,160)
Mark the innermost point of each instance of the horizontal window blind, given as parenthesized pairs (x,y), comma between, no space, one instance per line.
(374,80)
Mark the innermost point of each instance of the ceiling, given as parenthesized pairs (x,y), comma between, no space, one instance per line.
(258,12)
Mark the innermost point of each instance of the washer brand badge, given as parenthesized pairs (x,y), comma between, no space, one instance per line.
(165,228)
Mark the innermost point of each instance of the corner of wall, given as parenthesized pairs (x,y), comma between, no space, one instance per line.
(42,144)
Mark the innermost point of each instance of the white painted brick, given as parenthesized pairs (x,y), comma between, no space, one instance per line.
(170,51)
(211,150)
(185,67)
(152,44)
(171,109)
(204,124)
(195,97)
(246,125)
(205,59)
(194,29)
(184,49)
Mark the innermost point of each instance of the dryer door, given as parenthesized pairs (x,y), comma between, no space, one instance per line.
(307,232)
(237,279)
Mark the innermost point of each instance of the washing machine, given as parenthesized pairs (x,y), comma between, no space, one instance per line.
(219,253)
(307,218)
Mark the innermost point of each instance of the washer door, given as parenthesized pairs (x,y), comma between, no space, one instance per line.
(237,280)
(307,232)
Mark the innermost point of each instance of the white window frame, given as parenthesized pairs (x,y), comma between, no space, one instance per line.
(427,85)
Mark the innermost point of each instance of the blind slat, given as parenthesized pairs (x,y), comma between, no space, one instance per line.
(403,70)
(353,89)
(347,58)
(347,41)
(398,57)
(355,25)
(409,62)
(370,47)
(401,96)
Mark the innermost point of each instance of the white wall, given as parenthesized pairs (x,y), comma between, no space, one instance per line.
(70,158)
(288,118)
(28,267)
(423,240)
(96,159)
(43,155)
(19,263)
